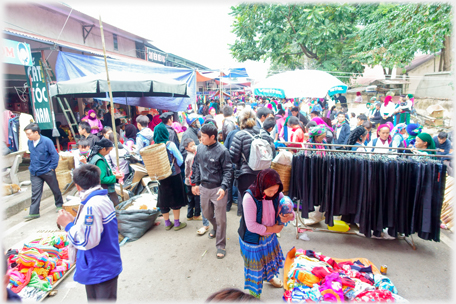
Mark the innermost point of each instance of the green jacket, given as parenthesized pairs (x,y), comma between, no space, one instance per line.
(106,177)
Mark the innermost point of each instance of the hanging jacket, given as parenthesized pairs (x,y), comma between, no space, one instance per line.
(95,234)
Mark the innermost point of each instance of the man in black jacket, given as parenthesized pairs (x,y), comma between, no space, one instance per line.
(212,174)
(262,114)
(229,123)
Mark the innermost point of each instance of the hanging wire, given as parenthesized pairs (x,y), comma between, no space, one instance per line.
(58,37)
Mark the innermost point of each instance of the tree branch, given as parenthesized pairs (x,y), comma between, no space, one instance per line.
(305,50)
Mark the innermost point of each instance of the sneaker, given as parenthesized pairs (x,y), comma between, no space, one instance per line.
(401,236)
(189,218)
(198,218)
(169,227)
(181,226)
(31,217)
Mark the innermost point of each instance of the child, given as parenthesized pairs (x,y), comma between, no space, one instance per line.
(353,121)
(194,200)
(82,153)
(212,173)
(94,233)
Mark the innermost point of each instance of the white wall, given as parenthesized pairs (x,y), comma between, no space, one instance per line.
(35,19)
(436,85)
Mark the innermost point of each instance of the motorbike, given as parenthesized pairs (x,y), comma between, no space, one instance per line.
(138,181)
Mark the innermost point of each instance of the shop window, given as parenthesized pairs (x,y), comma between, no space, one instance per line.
(116,46)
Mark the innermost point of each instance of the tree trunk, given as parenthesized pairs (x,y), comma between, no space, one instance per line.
(442,54)
(447,54)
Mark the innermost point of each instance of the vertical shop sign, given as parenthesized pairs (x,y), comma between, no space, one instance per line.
(38,93)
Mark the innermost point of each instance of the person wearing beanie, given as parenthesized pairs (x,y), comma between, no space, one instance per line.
(107,177)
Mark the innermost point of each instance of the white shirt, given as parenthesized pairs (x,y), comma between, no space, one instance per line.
(379,144)
(35,142)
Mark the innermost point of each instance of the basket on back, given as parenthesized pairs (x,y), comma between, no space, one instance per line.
(156,161)
(285,175)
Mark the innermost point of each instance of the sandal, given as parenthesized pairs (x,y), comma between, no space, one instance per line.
(221,251)
(212,234)
(276,282)
(202,230)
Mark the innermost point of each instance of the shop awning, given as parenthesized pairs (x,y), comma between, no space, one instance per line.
(72,66)
(201,78)
(235,73)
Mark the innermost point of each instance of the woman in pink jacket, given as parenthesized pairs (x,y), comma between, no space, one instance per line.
(93,121)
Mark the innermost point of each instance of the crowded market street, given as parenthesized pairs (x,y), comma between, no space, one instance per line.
(157,261)
(231,152)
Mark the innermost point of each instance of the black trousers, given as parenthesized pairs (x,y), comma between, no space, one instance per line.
(37,190)
(105,291)
(193,203)
(112,196)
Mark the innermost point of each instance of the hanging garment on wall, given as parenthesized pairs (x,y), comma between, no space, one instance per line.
(13,137)
(404,195)
(24,120)
(7,115)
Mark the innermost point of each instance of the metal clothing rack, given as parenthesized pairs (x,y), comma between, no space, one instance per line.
(299,218)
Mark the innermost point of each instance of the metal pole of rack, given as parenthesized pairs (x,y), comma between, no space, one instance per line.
(362,152)
(353,146)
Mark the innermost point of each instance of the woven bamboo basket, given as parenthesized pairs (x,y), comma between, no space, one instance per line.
(285,175)
(70,160)
(63,165)
(72,208)
(156,160)
(64,178)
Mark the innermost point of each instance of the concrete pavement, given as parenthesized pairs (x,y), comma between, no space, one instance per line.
(170,265)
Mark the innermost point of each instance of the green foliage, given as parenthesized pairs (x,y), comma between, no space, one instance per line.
(287,33)
(338,37)
(392,34)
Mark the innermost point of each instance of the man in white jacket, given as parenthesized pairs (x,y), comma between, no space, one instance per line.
(94,234)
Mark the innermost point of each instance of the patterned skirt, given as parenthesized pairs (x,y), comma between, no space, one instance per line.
(261,262)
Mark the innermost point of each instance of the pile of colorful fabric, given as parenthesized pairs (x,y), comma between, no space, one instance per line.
(39,265)
(313,277)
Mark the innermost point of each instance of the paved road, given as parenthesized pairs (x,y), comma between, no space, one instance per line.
(168,265)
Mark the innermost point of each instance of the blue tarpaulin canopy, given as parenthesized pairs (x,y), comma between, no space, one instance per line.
(71,66)
(234,73)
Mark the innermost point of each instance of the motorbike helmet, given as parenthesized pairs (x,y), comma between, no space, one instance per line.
(191,119)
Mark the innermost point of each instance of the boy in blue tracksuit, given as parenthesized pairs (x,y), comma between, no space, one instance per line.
(94,233)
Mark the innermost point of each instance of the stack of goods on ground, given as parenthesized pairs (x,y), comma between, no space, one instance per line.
(312,277)
(136,216)
(37,266)
(63,170)
(447,207)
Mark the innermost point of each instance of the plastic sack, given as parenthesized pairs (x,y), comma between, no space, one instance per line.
(284,158)
(132,223)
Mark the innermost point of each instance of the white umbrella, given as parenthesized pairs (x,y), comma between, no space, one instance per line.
(300,83)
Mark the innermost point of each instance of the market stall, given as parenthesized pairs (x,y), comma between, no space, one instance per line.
(40,263)
(310,276)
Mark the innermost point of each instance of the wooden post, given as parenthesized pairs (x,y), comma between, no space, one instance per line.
(116,144)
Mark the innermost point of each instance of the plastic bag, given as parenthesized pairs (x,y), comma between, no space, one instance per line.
(135,223)
(283,158)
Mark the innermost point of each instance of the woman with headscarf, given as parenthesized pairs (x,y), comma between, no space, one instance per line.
(94,122)
(383,139)
(357,138)
(260,248)
(317,135)
(171,192)
(107,178)
(411,98)
(359,98)
(329,130)
(413,130)
(424,141)
(387,110)
(397,136)
(211,112)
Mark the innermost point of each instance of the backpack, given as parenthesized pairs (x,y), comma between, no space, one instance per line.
(260,153)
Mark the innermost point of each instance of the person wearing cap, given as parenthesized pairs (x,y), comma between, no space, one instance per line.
(191,132)
(167,120)
(107,177)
